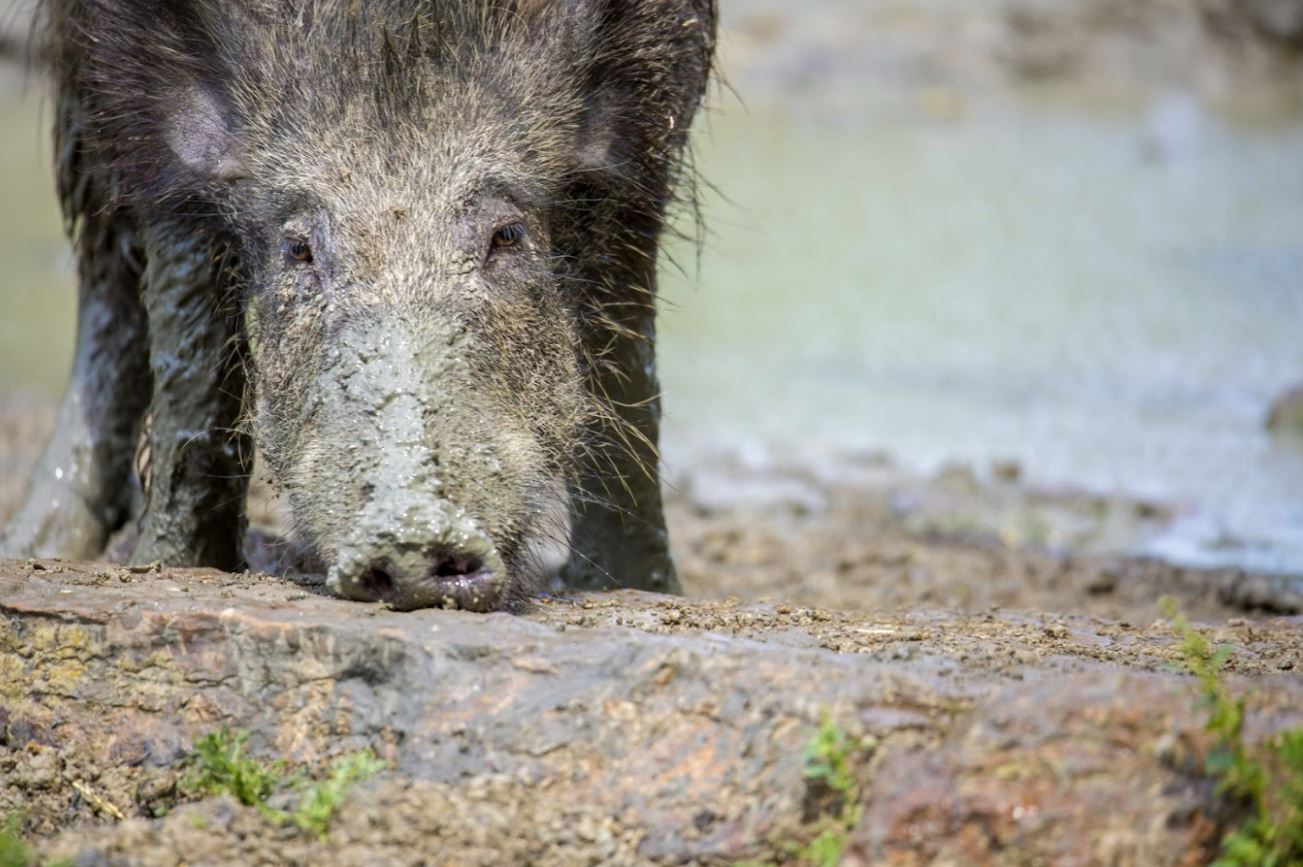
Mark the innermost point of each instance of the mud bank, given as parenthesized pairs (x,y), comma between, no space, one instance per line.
(620,728)
(864,534)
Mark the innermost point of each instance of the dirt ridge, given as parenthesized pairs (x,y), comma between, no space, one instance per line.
(676,725)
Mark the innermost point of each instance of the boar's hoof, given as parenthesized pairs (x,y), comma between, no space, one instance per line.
(66,527)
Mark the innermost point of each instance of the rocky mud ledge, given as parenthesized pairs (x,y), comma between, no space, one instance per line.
(606,729)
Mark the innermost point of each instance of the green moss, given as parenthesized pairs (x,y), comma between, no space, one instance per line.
(1266,779)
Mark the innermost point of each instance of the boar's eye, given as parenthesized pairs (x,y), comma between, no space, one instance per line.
(509,235)
(298,250)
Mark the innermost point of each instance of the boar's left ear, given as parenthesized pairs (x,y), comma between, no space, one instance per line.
(648,65)
(200,134)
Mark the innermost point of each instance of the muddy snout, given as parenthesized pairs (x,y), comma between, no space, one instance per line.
(413,553)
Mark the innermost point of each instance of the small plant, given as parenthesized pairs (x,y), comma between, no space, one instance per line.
(825,850)
(219,766)
(14,851)
(828,755)
(1269,781)
(321,801)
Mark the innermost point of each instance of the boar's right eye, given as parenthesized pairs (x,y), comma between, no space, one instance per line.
(298,250)
(509,235)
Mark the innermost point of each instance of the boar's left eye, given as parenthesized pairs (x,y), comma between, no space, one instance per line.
(298,250)
(509,235)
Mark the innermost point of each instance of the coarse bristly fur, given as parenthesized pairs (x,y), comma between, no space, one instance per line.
(445,216)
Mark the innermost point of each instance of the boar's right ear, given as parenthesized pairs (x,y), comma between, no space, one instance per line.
(199,132)
(146,77)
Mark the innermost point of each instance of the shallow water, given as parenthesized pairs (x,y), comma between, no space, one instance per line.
(1111,298)
(36,270)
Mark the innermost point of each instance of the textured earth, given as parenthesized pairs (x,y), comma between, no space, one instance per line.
(610,728)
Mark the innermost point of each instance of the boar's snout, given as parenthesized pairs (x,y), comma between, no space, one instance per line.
(404,469)
(413,554)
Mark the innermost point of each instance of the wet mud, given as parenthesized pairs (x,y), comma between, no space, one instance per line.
(966,539)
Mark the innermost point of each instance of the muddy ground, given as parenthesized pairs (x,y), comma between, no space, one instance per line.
(1018,685)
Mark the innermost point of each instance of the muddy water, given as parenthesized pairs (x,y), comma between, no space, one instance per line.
(37,302)
(1110,297)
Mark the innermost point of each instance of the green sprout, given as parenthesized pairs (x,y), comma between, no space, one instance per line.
(828,754)
(219,766)
(322,800)
(1268,781)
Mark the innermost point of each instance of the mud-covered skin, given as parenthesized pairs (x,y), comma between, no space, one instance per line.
(438,224)
(81,491)
(78,496)
(194,512)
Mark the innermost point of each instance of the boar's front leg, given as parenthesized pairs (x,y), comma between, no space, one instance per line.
(197,471)
(81,489)
(619,537)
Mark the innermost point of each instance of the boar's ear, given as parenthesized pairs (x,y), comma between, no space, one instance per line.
(145,75)
(200,134)
(595,139)
(647,65)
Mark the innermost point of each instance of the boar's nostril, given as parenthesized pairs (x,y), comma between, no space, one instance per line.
(454,564)
(378,582)
(406,569)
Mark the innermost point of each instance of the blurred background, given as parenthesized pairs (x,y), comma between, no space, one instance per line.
(1053,240)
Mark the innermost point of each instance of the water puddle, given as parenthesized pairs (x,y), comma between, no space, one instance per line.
(1112,299)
